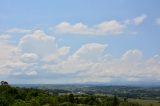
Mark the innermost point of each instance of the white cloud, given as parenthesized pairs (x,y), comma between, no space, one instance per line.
(90,50)
(140,19)
(10,60)
(5,38)
(132,55)
(56,55)
(158,21)
(29,57)
(6,53)
(18,30)
(80,60)
(39,54)
(43,46)
(39,43)
(90,62)
(23,73)
(112,27)
(32,73)
(107,27)
(78,28)
(29,53)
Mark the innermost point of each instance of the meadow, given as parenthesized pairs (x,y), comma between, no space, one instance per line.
(146,102)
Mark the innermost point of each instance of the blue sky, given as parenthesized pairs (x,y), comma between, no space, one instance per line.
(79,41)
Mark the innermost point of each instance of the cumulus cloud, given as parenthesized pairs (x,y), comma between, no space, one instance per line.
(37,42)
(10,60)
(140,19)
(132,55)
(38,53)
(5,38)
(136,20)
(90,62)
(90,50)
(81,59)
(56,55)
(6,51)
(110,27)
(107,27)
(29,53)
(42,45)
(29,57)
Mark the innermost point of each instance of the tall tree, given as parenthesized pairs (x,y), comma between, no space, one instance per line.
(115,101)
(4,83)
(71,98)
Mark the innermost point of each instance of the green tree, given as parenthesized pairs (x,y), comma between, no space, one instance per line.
(34,102)
(3,102)
(115,101)
(125,99)
(21,103)
(71,98)
(4,83)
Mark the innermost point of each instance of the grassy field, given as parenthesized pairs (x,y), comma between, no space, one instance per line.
(145,102)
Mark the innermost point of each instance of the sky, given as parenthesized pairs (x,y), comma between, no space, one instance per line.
(80,41)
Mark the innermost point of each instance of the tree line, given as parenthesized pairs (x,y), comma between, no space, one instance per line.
(14,96)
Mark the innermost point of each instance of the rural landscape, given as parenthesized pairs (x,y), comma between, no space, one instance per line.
(77,95)
(79,53)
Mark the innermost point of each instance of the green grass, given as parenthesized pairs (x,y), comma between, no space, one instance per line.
(145,102)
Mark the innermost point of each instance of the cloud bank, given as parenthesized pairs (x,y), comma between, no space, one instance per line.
(38,56)
(110,27)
